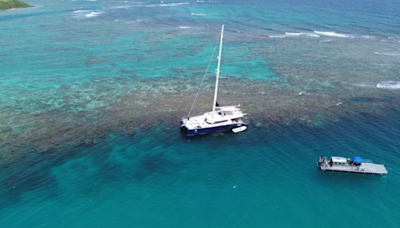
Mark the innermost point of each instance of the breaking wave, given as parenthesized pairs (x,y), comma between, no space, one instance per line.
(394,39)
(301,34)
(199,14)
(82,14)
(389,85)
(93,14)
(316,34)
(277,36)
(334,34)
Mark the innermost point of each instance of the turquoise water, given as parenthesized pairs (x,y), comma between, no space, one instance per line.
(264,177)
(84,86)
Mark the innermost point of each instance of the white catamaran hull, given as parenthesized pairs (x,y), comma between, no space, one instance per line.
(210,130)
(220,119)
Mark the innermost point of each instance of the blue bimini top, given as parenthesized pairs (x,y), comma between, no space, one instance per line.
(356,159)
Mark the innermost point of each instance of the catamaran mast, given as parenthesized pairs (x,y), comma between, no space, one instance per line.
(219,63)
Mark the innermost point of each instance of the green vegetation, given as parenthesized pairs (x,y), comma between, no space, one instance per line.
(10,4)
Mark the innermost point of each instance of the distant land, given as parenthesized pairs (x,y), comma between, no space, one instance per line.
(12,4)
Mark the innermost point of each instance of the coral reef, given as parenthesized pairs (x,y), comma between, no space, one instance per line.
(84,113)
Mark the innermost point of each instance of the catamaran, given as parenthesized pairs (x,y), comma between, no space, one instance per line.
(220,119)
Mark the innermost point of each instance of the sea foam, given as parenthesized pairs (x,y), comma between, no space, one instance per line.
(389,85)
(199,14)
(334,34)
(277,36)
(301,34)
(82,14)
(93,14)
(394,39)
(388,53)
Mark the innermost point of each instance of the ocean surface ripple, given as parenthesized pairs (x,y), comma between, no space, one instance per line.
(91,94)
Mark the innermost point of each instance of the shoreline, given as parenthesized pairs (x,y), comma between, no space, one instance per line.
(8,5)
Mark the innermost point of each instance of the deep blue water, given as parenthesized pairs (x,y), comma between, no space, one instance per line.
(155,177)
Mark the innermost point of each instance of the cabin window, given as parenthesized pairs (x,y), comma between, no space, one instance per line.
(220,122)
(216,122)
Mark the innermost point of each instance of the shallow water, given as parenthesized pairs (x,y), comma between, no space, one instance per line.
(73,71)
(84,86)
